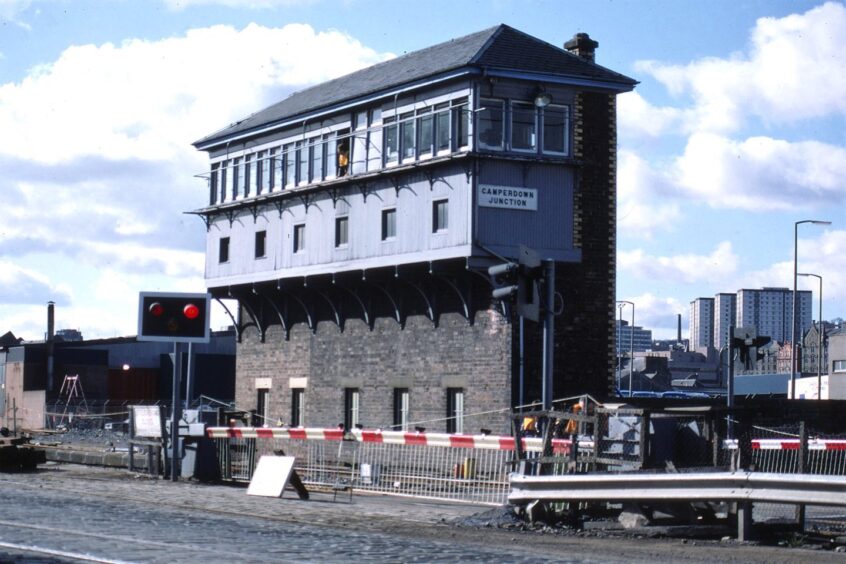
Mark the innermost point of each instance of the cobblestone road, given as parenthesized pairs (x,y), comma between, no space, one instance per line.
(73,513)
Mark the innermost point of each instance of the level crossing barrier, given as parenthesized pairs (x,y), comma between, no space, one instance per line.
(454,467)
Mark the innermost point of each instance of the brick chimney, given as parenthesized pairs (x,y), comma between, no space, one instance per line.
(582,46)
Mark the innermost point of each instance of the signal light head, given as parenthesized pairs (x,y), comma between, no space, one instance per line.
(191,311)
(156,309)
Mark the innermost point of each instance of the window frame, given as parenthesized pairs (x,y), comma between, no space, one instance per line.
(439,226)
(565,127)
(523,107)
(260,248)
(342,242)
(402,408)
(299,238)
(455,410)
(352,408)
(223,250)
(485,107)
(298,407)
(263,407)
(389,224)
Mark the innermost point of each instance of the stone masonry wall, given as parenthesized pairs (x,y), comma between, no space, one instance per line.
(425,359)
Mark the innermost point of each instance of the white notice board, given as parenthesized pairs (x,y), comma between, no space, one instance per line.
(271,476)
(148,421)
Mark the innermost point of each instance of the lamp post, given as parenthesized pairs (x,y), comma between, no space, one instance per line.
(793,348)
(621,305)
(820,331)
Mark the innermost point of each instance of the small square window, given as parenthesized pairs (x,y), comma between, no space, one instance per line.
(389,224)
(299,238)
(440,215)
(342,231)
(261,240)
(223,250)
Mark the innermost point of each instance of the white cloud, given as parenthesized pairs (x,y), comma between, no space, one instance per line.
(793,72)
(761,173)
(149,100)
(636,117)
(98,163)
(719,265)
(660,314)
(645,204)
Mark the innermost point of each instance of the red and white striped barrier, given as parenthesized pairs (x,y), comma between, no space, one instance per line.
(485,442)
(793,444)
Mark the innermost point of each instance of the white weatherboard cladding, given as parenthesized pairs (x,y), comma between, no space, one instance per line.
(414,241)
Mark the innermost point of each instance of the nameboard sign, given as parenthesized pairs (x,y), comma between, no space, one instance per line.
(508,197)
(148,421)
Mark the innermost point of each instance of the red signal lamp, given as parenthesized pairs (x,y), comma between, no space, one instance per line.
(156,309)
(191,311)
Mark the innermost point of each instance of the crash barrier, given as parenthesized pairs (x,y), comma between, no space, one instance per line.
(741,487)
(466,468)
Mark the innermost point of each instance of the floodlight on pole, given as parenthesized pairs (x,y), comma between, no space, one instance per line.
(820,331)
(793,348)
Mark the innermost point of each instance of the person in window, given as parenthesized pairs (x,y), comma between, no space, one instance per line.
(343,158)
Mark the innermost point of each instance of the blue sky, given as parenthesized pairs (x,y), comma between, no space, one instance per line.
(737,130)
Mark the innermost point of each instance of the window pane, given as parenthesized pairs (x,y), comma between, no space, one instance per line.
(555,129)
(317,160)
(248,161)
(237,177)
(223,250)
(407,135)
(389,224)
(425,128)
(462,119)
(442,126)
(343,150)
(440,210)
(261,239)
(299,238)
(401,408)
(491,122)
(302,157)
(391,140)
(259,173)
(341,231)
(374,147)
(297,407)
(330,144)
(523,130)
(359,144)
(224,175)
(213,179)
(290,165)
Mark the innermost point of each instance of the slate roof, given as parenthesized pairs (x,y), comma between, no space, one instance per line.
(497,48)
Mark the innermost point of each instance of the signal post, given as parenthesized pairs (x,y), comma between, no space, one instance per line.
(177,318)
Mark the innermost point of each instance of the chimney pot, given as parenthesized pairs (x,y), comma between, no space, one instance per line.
(582,46)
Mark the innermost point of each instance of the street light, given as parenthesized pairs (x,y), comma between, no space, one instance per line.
(820,346)
(793,359)
(621,305)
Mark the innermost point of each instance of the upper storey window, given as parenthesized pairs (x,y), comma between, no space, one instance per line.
(521,126)
(371,142)
(492,124)
(524,127)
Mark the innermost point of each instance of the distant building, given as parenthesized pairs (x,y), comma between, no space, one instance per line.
(639,338)
(119,370)
(68,335)
(662,345)
(725,316)
(701,322)
(770,311)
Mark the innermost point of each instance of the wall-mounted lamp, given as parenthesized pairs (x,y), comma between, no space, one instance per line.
(542,98)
